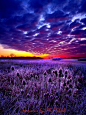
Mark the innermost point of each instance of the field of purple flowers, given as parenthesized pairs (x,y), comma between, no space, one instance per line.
(40,86)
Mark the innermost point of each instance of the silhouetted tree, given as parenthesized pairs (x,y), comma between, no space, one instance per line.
(12,55)
(2,55)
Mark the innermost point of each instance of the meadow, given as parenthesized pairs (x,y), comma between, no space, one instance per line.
(42,87)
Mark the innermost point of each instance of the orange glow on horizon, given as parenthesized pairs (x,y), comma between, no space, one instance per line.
(7,52)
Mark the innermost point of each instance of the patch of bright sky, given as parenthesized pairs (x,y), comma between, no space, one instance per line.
(43,24)
(32,39)
(51,9)
(33,43)
(84,28)
(53,41)
(36,34)
(76,41)
(78,16)
(59,32)
(72,29)
(41,18)
(71,40)
(7,52)
(83,39)
(70,35)
(25,32)
(62,42)
(48,25)
(47,29)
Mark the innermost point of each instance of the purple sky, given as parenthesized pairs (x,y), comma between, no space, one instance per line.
(54,27)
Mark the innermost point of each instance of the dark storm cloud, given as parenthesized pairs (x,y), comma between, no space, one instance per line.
(8,8)
(84,20)
(43,26)
(41,29)
(37,5)
(55,15)
(81,33)
(83,7)
(74,24)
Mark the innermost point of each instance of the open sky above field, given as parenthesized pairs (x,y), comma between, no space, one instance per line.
(43,28)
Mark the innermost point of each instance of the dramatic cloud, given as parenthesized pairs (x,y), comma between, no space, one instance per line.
(54,27)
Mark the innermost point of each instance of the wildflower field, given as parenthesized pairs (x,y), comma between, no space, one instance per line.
(38,87)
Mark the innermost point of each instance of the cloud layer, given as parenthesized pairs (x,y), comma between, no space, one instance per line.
(54,27)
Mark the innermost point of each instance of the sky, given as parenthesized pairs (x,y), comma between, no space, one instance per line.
(54,28)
